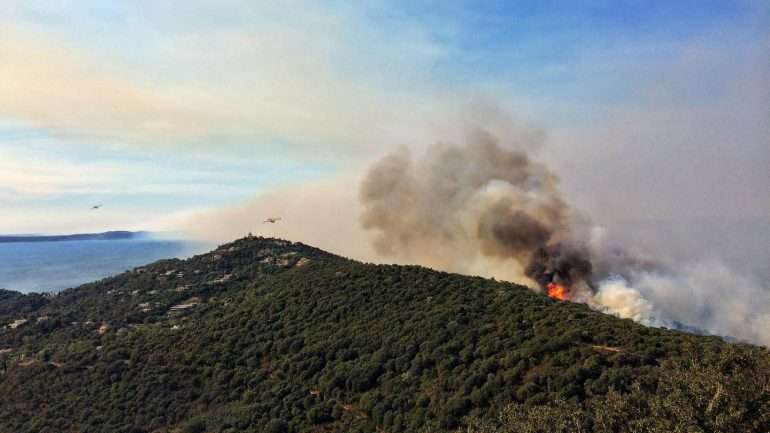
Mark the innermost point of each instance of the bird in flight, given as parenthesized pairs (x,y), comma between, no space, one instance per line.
(96,206)
(271,220)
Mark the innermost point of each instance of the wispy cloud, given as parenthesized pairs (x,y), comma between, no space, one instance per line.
(307,79)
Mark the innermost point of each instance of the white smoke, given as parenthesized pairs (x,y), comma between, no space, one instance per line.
(710,297)
(706,296)
(616,297)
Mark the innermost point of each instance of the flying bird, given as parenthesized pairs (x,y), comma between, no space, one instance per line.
(271,220)
(96,206)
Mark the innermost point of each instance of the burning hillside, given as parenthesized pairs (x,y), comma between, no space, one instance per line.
(482,199)
(488,208)
(557,291)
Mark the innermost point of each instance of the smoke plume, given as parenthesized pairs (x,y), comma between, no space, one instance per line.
(484,199)
(486,207)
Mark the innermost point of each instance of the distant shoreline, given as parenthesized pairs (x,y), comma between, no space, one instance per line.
(104,236)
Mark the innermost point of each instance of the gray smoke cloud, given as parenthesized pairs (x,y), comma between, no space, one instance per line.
(485,198)
(487,207)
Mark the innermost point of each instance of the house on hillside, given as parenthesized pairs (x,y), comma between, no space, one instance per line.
(16,323)
(190,303)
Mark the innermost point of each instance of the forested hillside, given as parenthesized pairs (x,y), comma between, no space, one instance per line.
(268,335)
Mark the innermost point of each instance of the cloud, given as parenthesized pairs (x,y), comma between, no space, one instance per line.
(52,86)
(28,174)
(308,81)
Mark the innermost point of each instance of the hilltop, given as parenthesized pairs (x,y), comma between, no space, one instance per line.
(270,335)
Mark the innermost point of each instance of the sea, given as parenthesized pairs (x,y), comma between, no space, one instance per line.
(53,266)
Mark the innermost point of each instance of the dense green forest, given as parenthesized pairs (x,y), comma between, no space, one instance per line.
(265,335)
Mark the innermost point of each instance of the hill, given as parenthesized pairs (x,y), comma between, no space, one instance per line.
(268,335)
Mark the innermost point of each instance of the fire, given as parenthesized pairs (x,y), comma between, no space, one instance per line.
(557,291)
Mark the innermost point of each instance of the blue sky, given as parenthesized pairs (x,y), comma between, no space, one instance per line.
(158,109)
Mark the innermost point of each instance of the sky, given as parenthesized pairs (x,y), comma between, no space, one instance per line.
(652,111)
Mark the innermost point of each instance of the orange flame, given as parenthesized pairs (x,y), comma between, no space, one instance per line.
(557,291)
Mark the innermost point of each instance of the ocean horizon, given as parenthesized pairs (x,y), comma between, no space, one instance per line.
(53,266)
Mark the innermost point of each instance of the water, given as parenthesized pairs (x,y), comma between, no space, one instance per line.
(53,266)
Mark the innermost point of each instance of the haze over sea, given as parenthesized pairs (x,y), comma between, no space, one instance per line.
(54,266)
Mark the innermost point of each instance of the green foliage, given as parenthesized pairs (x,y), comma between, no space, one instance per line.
(282,337)
(725,391)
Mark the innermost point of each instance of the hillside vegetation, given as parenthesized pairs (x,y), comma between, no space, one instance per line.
(264,335)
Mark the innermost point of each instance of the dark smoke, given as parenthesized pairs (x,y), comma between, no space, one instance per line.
(506,231)
(559,264)
(483,198)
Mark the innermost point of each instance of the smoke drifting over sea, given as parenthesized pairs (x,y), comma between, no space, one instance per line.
(486,207)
